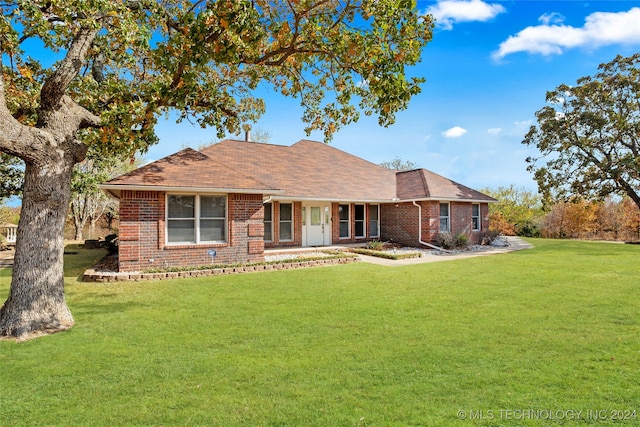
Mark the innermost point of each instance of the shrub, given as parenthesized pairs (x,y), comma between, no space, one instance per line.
(461,241)
(488,237)
(375,245)
(528,230)
(449,241)
(444,240)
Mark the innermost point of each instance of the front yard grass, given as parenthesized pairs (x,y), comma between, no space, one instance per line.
(543,332)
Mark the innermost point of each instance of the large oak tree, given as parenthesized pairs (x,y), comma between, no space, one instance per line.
(78,74)
(589,136)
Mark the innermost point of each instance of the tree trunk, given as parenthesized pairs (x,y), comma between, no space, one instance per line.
(92,227)
(36,303)
(78,230)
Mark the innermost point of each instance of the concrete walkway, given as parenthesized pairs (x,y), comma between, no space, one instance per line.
(515,244)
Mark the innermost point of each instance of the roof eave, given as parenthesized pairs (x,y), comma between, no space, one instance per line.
(445,199)
(329,199)
(116,189)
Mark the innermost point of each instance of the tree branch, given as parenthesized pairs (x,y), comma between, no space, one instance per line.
(56,85)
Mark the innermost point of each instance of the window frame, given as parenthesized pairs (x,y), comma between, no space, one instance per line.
(476,224)
(268,207)
(289,221)
(196,219)
(377,222)
(347,221)
(447,217)
(357,221)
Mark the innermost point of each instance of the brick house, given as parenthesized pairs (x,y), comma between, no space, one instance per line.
(238,198)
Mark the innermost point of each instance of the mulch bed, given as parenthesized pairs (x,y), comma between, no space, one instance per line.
(107,264)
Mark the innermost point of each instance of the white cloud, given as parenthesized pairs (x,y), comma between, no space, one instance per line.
(551,18)
(448,12)
(494,131)
(426,137)
(454,132)
(600,29)
(523,123)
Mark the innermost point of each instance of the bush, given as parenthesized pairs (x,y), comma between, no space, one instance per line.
(444,240)
(449,241)
(461,241)
(528,230)
(111,242)
(488,237)
(375,245)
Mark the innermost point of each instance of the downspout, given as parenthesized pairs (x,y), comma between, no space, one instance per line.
(420,230)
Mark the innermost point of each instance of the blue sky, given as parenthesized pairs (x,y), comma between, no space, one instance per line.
(488,68)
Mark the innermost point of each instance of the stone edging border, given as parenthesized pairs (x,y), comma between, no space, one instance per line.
(91,275)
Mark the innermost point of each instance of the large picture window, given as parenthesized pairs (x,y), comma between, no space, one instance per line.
(475,217)
(286,222)
(196,218)
(343,211)
(444,217)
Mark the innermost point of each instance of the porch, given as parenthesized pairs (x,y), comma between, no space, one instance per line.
(9,231)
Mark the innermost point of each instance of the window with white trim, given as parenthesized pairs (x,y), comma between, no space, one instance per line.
(358,218)
(286,222)
(268,222)
(374,220)
(444,217)
(475,217)
(196,219)
(343,216)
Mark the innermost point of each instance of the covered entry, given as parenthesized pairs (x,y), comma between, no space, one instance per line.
(316,224)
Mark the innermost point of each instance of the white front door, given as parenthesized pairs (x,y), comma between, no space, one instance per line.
(317,224)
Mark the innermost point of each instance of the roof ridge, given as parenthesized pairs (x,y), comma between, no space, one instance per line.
(268,144)
(425,184)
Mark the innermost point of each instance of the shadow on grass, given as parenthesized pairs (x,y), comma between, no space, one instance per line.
(96,303)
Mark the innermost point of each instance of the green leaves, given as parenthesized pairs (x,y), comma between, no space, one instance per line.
(11,176)
(590,135)
(205,60)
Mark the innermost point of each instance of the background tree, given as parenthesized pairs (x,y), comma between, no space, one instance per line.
(397,164)
(120,64)
(11,175)
(88,202)
(518,211)
(590,137)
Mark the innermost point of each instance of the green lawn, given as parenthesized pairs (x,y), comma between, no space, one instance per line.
(495,340)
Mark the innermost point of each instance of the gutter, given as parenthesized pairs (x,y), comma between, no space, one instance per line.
(420,231)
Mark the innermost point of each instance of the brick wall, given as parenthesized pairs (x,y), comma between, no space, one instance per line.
(399,222)
(335,224)
(297,227)
(143,236)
